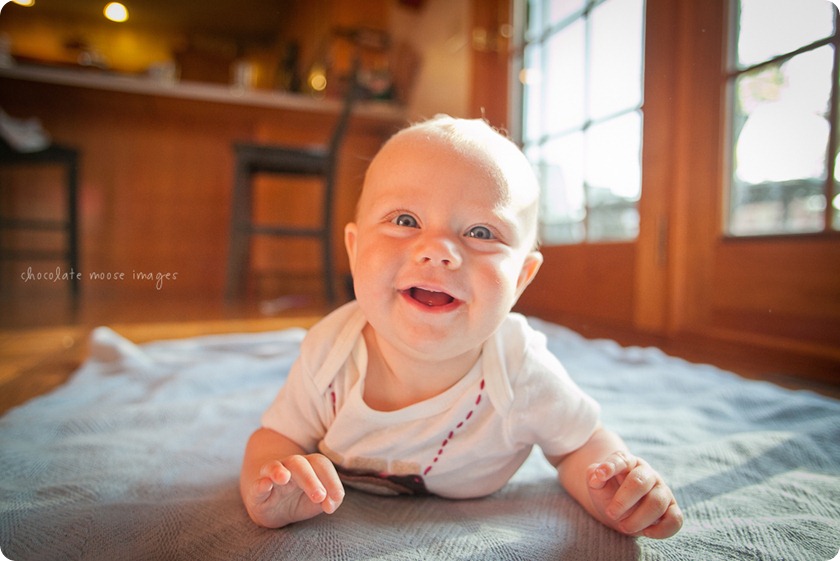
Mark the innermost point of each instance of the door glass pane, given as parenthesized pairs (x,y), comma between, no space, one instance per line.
(781,131)
(563,205)
(531,78)
(768,28)
(616,51)
(586,147)
(613,177)
(565,82)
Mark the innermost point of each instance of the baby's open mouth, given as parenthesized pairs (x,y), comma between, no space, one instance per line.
(430,298)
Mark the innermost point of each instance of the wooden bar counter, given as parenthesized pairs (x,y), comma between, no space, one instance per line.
(157,171)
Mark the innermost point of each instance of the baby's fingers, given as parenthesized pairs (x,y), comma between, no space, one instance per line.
(327,475)
(276,472)
(304,476)
(315,475)
(636,486)
(648,511)
(668,525)
(615,464)
(260,491)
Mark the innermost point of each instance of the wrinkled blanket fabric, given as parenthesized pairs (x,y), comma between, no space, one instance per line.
(137,457)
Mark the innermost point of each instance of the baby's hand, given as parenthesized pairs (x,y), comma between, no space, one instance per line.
(633,497)
(294,489)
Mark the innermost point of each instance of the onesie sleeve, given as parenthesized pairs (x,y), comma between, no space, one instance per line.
(298,410)
(549,409)
(304,408)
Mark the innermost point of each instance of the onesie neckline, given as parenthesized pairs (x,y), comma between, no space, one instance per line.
(428,407)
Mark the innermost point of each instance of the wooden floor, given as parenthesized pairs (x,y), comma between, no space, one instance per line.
(43,339)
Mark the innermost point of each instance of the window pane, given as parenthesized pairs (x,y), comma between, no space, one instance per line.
(613,177)
(836,209)
(536,21)
(616,51)
(834,215)
(564,103)
(835,200)
(768,28)
(781,133)
(612,158)
(561,172)
(558,10)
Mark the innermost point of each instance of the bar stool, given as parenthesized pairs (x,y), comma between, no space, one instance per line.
(318,161)
(52,155)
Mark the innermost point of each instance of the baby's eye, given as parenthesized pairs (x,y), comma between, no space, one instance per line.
(480,233)
(406,220)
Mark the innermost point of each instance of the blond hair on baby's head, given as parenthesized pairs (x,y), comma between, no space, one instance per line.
(466,132)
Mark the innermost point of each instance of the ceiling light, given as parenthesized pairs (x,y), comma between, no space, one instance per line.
(115,11)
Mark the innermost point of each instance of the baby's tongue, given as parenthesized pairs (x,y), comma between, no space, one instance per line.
(430,297)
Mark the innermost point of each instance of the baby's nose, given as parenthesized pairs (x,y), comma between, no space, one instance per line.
(439,250)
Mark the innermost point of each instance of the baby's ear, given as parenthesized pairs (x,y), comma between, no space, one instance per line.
(532,264)
(350,231)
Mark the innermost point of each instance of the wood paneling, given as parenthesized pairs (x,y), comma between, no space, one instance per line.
(786,291)
(584,281)
(490,45)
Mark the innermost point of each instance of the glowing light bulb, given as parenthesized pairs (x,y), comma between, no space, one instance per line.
(317,78)
(318,82)
(24,3)
(115,11)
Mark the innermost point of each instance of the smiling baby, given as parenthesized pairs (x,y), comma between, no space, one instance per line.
(427,382)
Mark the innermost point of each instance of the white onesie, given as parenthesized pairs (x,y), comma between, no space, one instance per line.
(466,442)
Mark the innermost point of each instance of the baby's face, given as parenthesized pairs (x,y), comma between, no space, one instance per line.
(442,247)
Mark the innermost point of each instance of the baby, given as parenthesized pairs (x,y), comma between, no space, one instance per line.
(427,383)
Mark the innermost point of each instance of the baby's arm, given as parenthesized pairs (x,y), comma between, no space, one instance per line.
(619,489)
(280,483)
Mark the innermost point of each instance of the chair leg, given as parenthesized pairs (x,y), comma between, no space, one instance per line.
(237,263)
(239,253)
(326,234)
(329,273)
(73,221)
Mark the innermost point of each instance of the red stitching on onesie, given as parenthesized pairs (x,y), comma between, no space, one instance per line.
(457,427)
(332,397)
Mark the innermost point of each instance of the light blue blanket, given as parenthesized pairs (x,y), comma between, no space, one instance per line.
(137,457)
